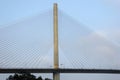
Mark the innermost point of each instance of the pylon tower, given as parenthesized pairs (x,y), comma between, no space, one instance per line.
(56,75)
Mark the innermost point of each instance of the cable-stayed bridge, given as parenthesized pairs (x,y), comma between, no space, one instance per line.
(28,46)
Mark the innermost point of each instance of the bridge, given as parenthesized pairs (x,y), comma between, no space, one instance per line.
(56,69)
(100,71)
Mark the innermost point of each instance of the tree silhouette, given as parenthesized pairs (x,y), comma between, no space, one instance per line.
(39,78)
(47,79)
(24,76)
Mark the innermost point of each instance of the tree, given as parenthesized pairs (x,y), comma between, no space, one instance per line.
(23,76)
(47,79)
(39,78)
(10,77)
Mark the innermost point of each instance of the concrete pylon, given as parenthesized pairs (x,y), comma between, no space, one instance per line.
(56,76)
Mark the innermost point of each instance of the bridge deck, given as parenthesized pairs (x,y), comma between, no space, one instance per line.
(105,71)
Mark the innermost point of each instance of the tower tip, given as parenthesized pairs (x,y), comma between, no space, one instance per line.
(55,3)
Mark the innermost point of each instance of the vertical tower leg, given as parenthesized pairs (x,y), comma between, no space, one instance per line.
(56,76)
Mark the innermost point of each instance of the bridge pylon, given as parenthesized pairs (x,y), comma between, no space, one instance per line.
(56,75)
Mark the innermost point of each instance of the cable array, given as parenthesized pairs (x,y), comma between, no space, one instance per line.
(29,44)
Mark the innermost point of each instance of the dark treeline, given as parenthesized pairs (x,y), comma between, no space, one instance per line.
(25,76)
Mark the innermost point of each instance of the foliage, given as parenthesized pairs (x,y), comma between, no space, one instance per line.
(24,76)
